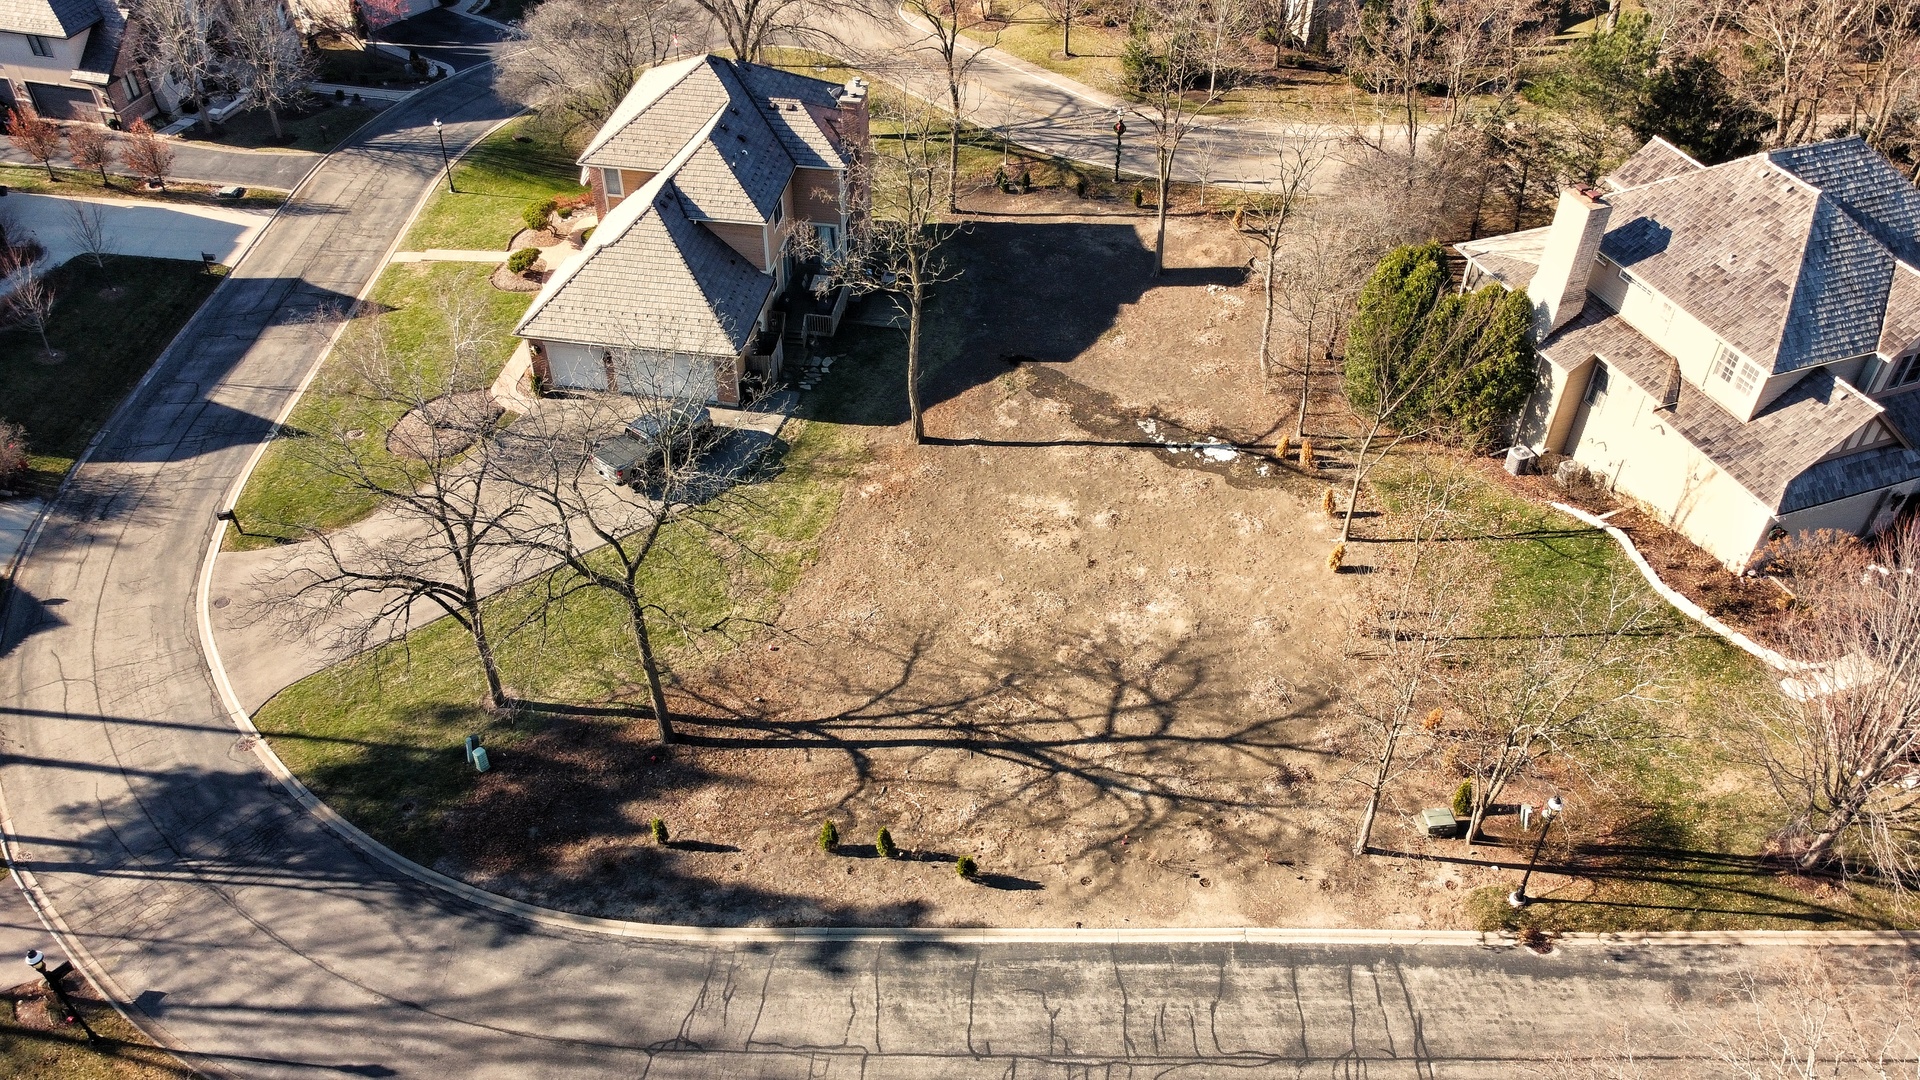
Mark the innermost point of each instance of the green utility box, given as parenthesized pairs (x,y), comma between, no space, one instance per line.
(1440,822)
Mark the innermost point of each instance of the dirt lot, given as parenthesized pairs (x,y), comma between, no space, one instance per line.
(1105,668)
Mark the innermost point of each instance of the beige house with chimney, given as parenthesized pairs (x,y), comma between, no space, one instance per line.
(691,284)
(1732,347)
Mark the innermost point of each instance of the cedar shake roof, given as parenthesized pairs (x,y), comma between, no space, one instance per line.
(1902,324)
(1658,160)
(49,18)
(1512,259)
(652,277)
(1863,184)
(1841,477)
(1765,260)
(1765,455)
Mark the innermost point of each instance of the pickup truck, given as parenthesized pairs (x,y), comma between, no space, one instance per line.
(633,455)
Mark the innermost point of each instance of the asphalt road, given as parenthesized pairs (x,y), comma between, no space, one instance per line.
(235,925)
(447,36)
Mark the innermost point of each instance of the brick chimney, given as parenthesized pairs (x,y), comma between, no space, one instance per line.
(1559,288)
(853,113)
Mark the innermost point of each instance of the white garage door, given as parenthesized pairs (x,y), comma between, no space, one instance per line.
(576,367)
(669,375)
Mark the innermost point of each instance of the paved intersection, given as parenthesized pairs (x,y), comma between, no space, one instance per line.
(236,926)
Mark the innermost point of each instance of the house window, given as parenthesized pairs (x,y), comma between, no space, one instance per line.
(39,45)
(1596,384)
(1731,367)
(130,86)
(777,212)
(611,179)
(1905,370)
(829,238)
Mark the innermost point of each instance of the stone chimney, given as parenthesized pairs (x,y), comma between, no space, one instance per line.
(853,112)
(1559,288)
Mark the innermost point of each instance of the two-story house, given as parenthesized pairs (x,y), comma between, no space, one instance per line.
(1732,347)
(690,283)
(65,59)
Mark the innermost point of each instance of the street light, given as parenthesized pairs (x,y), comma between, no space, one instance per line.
(68,1013)
(444,162)
(1518,898)
(1119,129)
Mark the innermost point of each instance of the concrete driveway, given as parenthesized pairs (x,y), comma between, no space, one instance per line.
(136,227)
(447,36)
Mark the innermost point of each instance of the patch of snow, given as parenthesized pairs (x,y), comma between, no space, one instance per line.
(1219,453)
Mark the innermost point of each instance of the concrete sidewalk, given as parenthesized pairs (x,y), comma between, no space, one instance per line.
(137,227)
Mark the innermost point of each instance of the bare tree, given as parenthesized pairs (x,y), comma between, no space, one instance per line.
(897,248)
(31,301)
(615,539)
(1177,61)
(946,25)
(748,27)
(1320,273)
(267,58)
(1888,86)
(87,228)
(1804,49)
(175,40)
(446,541)
(1414,618)
(147,153)
(1064,12)
(37,138)
(1265,213)
(578,58)
(1843,744)
(1577,686)
(89,147)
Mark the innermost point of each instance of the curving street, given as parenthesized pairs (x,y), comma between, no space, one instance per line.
(238,928)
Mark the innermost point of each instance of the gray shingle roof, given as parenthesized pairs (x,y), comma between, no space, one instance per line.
(738,172)
(669,103)
(48,18)
(1762,258)
(652,278)
(1765,455)
(1658,160)
(1865,185)
(103,45)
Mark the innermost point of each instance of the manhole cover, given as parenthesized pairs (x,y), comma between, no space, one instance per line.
(221,601)
(245,744)
(356,433)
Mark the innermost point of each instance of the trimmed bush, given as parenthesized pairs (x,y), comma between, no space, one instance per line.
(1139,198)
(966,867)
(1281,448)
(883,843)
(1337,556)
(659,828)
(1329,504)
(1306,453)
(1463,800)
(522,261)
(586,234)
(829,836)
(538,213)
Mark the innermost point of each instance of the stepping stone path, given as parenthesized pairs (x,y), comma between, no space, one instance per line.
(815,370)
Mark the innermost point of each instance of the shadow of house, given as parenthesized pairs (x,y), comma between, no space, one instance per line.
(1043,290)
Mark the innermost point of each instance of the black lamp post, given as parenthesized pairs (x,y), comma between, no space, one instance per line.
(68,1014)
(445,163)
(1518,897)
(1119,129)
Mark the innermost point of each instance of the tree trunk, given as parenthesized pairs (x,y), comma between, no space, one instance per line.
(1266,321)
(1306,384)
(953,145)
(273,118)
(1160,214)
(48,162)
(914,300)
(656,693)
(1353,490)
(1360,842)
(496,691)
(1066,35)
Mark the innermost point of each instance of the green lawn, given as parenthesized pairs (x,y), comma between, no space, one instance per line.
(341,62)
(379,737)
(33,179)
(318,125)
(1676,838)
(35,1053)
(495,181)
(286,493)
(109,324)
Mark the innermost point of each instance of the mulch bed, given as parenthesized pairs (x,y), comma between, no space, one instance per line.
(1755,605)
(507,281)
